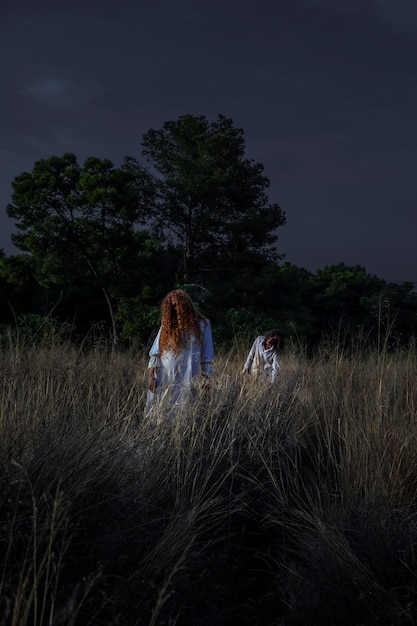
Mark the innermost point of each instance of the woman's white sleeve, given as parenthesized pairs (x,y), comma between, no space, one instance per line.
(207,350)
(275,367)
(154,355)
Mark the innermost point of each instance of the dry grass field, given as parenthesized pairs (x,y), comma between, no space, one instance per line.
(293,504)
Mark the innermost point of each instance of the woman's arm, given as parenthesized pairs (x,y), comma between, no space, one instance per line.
(154,363)
(249,360)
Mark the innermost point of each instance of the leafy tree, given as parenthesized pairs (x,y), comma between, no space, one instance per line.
(362,300)
(211,201)
(289,289)
(20,292)
(79,223)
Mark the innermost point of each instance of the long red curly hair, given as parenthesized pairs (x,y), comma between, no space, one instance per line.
(179,321)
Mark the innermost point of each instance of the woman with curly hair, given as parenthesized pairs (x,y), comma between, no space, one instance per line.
(182,348)
(263,360)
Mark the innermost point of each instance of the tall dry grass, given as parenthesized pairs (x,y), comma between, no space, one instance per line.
(287,504)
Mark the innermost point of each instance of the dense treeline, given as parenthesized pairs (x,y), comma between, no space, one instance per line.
(306,305)
(101,245)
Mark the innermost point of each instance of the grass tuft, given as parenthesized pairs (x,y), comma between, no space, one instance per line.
(287,504)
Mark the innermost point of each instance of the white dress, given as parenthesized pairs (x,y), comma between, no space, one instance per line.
(175,373)
(262,362)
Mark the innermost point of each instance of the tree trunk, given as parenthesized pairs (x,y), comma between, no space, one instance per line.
(113,321)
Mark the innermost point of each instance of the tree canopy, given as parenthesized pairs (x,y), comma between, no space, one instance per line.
(211,201)
(78,222)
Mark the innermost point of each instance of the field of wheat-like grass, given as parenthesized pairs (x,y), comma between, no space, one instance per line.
(288,504)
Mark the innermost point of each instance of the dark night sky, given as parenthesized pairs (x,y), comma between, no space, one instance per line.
(325,91)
